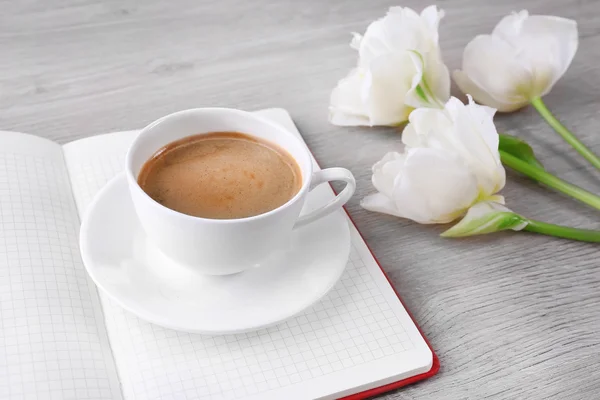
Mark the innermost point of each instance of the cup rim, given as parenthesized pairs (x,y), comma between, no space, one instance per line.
(134,183)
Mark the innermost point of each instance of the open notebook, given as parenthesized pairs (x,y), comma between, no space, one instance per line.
(62,339)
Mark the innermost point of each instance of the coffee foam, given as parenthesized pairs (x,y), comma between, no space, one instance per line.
(221,175)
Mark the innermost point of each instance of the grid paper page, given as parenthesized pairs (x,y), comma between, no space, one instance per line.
(53,342)
(358,334)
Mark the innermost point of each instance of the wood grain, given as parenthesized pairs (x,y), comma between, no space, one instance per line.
(512,316)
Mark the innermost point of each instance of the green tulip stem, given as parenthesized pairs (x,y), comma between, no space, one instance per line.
(567,135)
(583,235)
(550,180)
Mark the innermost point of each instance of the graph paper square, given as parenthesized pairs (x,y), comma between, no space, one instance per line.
(356,325)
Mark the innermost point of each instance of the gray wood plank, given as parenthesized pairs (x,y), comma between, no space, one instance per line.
(510,315)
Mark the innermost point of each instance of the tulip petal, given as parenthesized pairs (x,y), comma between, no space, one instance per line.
(355,42)
(435,187)
(492,64)
(475,129)
(380,203)
(385,172)
(564,32)
(404,30)
(410,136)
(346,108)
(486,217)
(437,77)
(343,119)
(509,27)
(428,127)
(479,119)
(417,96)
(467,86)
(372,44)
(431,16)
(550,44)
(430,86)
(387,81)
(400,30)
(476,139)
(545,44)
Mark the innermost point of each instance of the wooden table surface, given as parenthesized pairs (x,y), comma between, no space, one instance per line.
(510,315)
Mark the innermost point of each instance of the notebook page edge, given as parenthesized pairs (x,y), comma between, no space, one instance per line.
(26,142)
(20,152)
(69,151)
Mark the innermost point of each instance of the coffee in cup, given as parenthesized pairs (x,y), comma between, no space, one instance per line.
(221,175)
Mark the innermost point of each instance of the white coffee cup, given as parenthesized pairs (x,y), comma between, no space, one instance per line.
(225,246)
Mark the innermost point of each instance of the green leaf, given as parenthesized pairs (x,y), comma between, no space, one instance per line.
(486,217)
(518,148)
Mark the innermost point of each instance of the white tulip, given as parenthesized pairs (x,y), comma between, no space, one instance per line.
(428,186)
(465,130)
(521,60)
(450,162)
(400,68)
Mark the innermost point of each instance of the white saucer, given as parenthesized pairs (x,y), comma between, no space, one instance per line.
(144,281)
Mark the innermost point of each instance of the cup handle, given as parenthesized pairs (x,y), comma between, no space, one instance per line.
(327,175)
